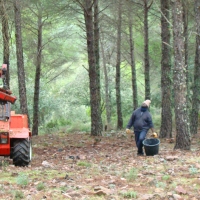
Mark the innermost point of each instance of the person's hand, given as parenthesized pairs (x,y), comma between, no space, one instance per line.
(128,134)
(155,135)
(128,131)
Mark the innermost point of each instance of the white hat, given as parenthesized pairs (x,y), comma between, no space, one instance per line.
(147,102)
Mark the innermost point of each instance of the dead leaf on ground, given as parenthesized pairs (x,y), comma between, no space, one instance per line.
(171,158)
(180,190)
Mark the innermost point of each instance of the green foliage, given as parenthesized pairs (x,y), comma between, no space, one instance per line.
(129,194)
(173,185)
(18,195)
(40,186)
(88,111)
(156,117)
(193,170)
(22,179)
(58,123)
(52,124)
(131,175)
(160,185)
(166,177)
(64,83)
(68,99)
(64,188)
(4,164)
(84,164)
(79,126)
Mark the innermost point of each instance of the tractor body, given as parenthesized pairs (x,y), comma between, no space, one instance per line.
(15,136)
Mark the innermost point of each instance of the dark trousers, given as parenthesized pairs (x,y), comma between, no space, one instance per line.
(139,138)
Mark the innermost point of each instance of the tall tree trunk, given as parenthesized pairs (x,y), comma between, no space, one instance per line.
(6,38)
(183,140)
(146,51)
(118,70)
(37,75)
(20,59)
(133,70)
(196,84)
(185,24)
(107,97)
(94,98)
(96,52)
(166,83)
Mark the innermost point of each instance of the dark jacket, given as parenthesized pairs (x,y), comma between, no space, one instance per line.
(140,120)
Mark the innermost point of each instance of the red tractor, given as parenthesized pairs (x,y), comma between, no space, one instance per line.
(15,136)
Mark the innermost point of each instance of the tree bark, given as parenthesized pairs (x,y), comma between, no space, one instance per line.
(146,51)
(118,70)
(96,52)
(185,24)
(183,140)
(133,69)
(20,59)
(196,84)
(106,81)
(6,39)
(93,76)
(37,74)
(166,76)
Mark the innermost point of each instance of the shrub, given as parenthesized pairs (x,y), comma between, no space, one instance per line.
(193,170)
(40,186)
(165,177)
(131,175)
(18,195)
(22,179)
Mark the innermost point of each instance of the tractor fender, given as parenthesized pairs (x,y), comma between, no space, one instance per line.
(19,133)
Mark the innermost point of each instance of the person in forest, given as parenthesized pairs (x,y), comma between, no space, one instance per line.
(141,121)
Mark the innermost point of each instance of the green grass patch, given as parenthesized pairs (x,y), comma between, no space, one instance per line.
(84,164)
(131,175)
(161,185)
(18,195)
(47,174)
(40,186)
(165,177)
(5,176)
(193,170)
(22,179)
(173,185)
(129,194)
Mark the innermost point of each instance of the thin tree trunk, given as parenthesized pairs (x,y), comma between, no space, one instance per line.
(146,51)
(183,140)
(96,51)
(20,59)
(185,24)
(118,70)
(37,75)
(6,39)
(133,70)
(88,15)
(166,83)
(106,80)
(196,84)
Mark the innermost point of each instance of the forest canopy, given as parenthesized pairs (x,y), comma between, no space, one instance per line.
(135,55)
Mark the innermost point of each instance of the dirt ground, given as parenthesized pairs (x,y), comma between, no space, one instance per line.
(78,167)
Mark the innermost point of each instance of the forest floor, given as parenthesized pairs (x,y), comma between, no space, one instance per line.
(72,166)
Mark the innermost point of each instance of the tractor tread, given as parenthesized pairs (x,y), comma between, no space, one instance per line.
(21,152)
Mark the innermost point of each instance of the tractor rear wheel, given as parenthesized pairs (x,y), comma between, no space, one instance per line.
(22,152)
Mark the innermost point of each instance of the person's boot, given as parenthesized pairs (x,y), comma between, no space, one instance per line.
(140,153)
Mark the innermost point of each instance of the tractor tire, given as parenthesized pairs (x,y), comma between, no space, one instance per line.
(22,152)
